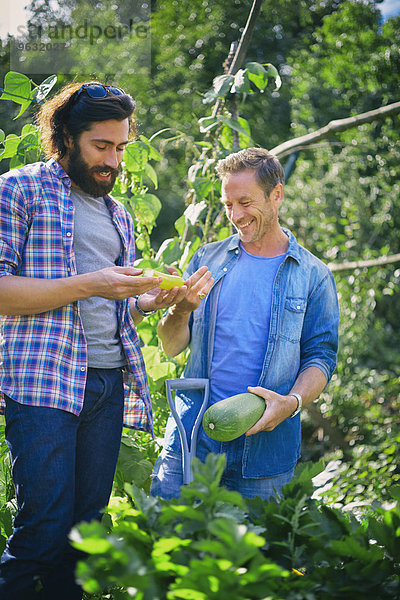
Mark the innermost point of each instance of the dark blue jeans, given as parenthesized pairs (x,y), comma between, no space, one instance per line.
(63,469)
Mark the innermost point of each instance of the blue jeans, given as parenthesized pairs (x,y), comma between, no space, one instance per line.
(63,468)
(167,477)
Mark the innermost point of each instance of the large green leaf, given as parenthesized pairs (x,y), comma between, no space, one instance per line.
(234,124)
(17,87)
(10,146)
(146,209)
(136,156)
(156,367)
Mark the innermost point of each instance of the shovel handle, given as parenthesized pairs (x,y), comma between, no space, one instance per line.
(187,453)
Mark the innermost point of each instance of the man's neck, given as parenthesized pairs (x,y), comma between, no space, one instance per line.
(274,244)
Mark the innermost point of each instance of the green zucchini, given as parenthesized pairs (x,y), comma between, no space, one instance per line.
(230,418)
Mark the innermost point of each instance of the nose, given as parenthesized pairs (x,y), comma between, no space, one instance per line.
(112,159)
(236,213)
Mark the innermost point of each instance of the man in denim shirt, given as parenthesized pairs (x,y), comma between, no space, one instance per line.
(269,325)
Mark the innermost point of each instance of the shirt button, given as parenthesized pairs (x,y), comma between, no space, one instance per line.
(225,269)
(236,251)
(298,307)
(69,234)
(83,368)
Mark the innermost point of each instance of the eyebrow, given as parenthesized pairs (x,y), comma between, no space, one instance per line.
(109,142)
(244,197)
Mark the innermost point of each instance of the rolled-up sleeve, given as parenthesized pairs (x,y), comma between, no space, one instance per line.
(319,340)
(13,226)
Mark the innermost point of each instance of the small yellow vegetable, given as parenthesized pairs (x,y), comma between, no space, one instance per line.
(168,281)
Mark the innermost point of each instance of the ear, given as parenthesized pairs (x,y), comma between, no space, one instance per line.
(68,140)
(277,194)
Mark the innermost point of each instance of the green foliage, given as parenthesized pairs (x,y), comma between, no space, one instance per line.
(342,202)
(7,500)
(213,543)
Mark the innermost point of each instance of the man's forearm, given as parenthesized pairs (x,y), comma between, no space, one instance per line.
(173,331)
(30,296)
(309,384)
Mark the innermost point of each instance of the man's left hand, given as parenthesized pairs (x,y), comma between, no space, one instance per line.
(277,409)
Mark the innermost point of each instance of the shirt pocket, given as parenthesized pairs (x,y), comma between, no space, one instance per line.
(292,319)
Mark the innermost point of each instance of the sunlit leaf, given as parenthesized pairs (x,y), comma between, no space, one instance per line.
(136,156)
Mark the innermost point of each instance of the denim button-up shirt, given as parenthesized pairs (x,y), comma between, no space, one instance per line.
(303,333)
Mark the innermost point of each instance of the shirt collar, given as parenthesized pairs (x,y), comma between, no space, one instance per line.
(292,251)
(57,170)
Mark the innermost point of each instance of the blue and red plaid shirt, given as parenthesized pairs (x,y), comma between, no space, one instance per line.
(43,357)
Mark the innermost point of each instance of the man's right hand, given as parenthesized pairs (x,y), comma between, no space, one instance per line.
(173,328)
(198,285)
(118,283)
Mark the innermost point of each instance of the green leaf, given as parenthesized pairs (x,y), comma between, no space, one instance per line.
(233,124)
(169,252)
(242,84)
(43,90)
(202,186)
(28,148)
(153,152)
(2,136)
(132,467)
(221,86)
(154,367)
(273,72)
(350,547)
(151,174)
(136,156)
(30,128)
(167,544)
(257,74)
(180,225)
(17,87)
(10,146)
(146,209)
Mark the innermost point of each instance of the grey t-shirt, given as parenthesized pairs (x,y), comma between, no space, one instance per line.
(97,245)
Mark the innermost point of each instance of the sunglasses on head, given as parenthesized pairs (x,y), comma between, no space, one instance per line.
(98,90)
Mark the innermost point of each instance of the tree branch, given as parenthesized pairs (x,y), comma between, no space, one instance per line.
(334,127)
(361,264)
(242,47)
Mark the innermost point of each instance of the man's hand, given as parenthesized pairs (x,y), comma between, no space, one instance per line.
(187,297)
(277,409)
(118,283)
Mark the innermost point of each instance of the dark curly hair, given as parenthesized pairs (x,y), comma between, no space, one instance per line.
(65,114)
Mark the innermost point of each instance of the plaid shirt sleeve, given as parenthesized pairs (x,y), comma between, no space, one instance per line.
(13,225)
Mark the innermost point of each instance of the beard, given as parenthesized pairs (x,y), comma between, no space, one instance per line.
(82,175)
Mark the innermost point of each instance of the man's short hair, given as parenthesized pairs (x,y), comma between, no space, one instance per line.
(268,169)
(71,112)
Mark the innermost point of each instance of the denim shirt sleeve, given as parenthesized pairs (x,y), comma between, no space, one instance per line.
(319,339)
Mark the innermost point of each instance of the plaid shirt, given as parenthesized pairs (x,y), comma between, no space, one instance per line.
(44,356)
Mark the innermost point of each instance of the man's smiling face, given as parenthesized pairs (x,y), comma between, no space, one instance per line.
(93,162)
(252,213)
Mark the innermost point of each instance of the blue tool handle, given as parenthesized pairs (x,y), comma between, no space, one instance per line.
(187,453)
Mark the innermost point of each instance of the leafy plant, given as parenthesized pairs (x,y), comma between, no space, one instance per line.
(212,542)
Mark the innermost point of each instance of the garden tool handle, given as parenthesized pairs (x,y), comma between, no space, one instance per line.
(187,453)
